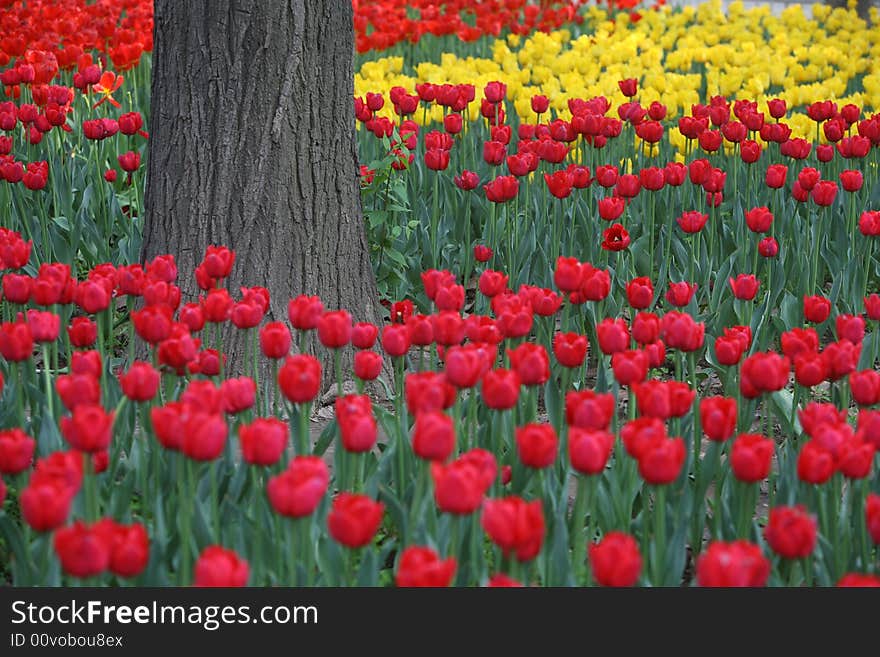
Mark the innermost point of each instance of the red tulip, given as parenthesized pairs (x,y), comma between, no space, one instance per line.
(568,275)
(354,519)
(219,567)
(141,382)
(674,174)
(728,350)
(815,464)
(420,566)
(501,189)
(500,389)
(298,490)
(660,461)
(426,391)
(630,366)
(816,309)
(334,329)
(589,410)
(759,219)
(492,283)
(824,193)
(459,487)
(514,525)
(559,183)
(615,560)
(300,378)
(611,207)
(129,547)
(449,297)
(536,445)
(718,417)
(482,253)
(531,363)
(763,372)
(589,449)
(540,104)
(851,180)
(77,389)
(680,294)
(872,516)
(495,91)
(637,435)
(744,287)
(776,174)
(367,365)
(615,238)
(263,441)
(738,563)
(396,339)
(750,457)
(275,340)
(865,387)
(204,435)
(869,426)
(692,221)
(16,451)
(628,87)
(84,550)
(305,312)
(679,331)
(607,175)
(89,428)
(45,505)
(855,457)
(628,186)
(433,436)
(448,328)
(613,335)
(357,424)
(645,328)
(17,288)
(44,326)
(791,532)
(869,226)
(16,342)
(858,579)
(841,358)
(570,349)
(640,292)
(850,327)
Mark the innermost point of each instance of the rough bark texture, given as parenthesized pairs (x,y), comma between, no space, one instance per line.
(253,146)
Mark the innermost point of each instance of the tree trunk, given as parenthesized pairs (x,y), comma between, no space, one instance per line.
(252,146)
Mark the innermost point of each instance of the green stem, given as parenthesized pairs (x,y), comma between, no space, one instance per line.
(746,510)
(303,446)
(47,380)
(403,432)
(215,502)
(258,507)
(577,529)
(337,367)
(187,500)
(659,535)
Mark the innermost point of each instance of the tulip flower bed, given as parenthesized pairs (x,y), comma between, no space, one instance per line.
(631,349)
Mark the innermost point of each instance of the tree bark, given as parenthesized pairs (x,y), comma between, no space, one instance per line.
(253,147)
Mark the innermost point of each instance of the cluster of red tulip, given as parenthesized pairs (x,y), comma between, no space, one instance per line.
(51,34)
(489,430)
(694,393)
(381,24)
